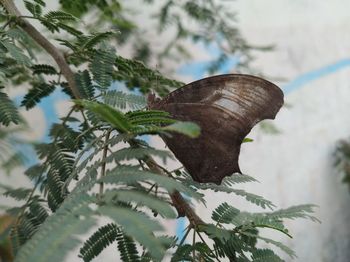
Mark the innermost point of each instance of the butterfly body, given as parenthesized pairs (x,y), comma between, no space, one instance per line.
(226,107)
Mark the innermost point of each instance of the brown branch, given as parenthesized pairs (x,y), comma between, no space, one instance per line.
(181,205)
(45,44)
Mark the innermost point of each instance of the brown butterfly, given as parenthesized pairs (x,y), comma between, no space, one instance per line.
(226,107)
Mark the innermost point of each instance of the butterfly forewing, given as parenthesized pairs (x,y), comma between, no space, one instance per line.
(226,107)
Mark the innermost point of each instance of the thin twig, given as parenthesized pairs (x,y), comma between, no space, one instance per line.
(181,205)
(211,251)
(194,242)
(103,167)
(185,236)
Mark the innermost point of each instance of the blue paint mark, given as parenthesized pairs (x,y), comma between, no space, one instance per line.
(315,74)
(180,228)
(198,69)
(48,107)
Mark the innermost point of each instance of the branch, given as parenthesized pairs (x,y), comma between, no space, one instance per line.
(181,205)
(44,43)
(104,155)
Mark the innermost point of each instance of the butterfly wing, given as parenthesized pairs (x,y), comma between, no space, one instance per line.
(226,108)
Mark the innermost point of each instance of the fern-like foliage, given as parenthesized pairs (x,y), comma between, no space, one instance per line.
(60,163)
(105,236)
(56,234)
(135,73)
(18,193)
(122,100)
(28,223)
(34,96)
(225,187)
(102,238)
(102,67)
(133,224)
(127,247)
(342,159)
(35,9)
(224,213)
(8,111)
(44,69)
(15,52)
(84,83)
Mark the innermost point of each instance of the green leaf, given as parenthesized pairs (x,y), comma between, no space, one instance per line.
(70,139)
(247,140)
(122,100)
(247,221)
(35,94)
(34,9)
(102,67)
(97,39)
(57,235)
(255,199)
(108,114)
(138,226)
(265,255)
(98,241)
(16,53)
(136,74)
(224,213)
(293,212)
(69,29)
(147,120)
(283,247)
(40,2)
(8,111)
(138,153)
(84,84)
(142,199)
(52,27)
(140,114)
(59,15)
(44,69)
(237,179)
(186,128)
(127,247)
(216,232)
(19,193)
(129,175)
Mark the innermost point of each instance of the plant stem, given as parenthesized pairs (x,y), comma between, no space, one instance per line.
(103,167)
(193,243)
(181,205)
(211,251)
(185,236)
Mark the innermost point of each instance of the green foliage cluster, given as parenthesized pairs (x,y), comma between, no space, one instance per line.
(175,23)
(97,164)
(342,159)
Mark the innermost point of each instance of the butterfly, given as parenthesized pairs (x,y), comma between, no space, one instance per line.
(226,107)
